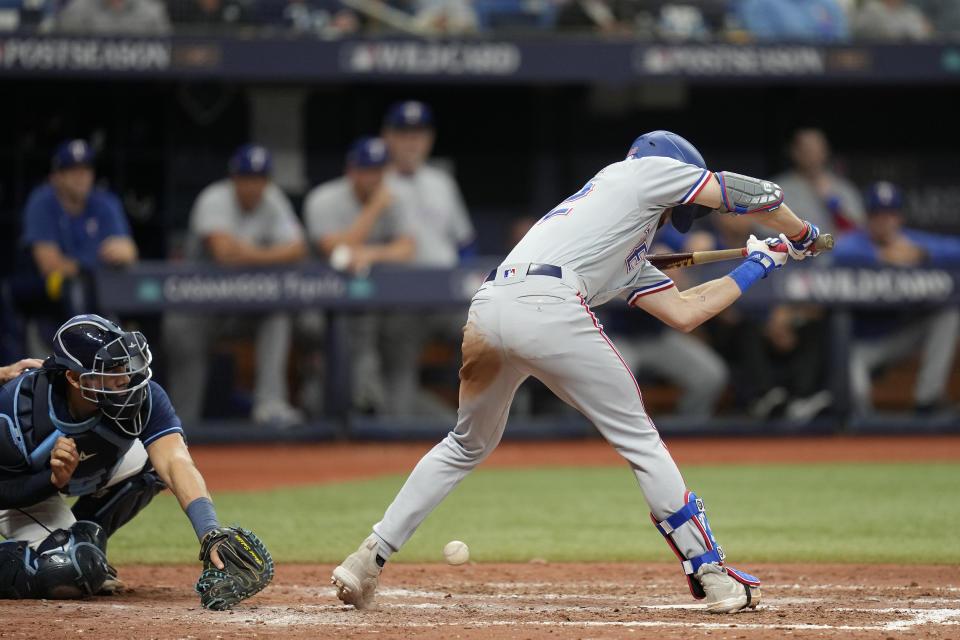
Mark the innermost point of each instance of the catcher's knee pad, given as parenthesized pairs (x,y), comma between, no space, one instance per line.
(116,506)
(16,570)
(693,512)
(79,531)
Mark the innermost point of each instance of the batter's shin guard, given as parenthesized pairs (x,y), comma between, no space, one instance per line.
(116,506)
(693,512)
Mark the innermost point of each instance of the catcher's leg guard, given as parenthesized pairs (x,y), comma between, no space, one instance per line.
(71,563)
(693,512)
(16,570)
(114,507)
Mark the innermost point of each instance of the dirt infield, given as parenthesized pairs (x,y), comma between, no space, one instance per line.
(534,600)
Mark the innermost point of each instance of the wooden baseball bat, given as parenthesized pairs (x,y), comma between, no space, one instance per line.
(671,260)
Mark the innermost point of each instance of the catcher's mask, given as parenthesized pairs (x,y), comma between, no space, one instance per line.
(114,367)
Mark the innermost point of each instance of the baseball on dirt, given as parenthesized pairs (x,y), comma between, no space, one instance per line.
(456,552)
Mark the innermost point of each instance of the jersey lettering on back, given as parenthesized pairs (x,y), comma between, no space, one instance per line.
(603,231)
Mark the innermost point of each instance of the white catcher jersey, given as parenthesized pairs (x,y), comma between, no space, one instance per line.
(603,231)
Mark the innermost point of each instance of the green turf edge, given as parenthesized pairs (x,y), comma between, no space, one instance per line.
(864,512)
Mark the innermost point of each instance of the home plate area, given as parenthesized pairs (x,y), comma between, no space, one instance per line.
(535,600)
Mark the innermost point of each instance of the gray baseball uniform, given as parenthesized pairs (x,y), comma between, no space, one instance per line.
(332,207)
(534,319)
(188,336)
(439,216)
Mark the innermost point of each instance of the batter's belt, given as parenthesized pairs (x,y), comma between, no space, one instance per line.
(535,269)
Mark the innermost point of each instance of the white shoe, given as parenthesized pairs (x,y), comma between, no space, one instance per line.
(724,593)
(356,578)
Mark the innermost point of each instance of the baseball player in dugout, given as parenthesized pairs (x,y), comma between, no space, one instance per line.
(444,236)
(355,222)
(71,227)
(532,317)
(244,220)
(89,422)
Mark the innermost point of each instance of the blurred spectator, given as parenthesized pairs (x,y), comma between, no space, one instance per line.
(421,17)
(889,20)
(327,18)
(507,14)
(443,234)
(944,15)
(806,20)
(140,17)
(210,13)
(813,190)
(245,221)
(70,228)
(884,339)
(444,16)
(609,17)
(355,222)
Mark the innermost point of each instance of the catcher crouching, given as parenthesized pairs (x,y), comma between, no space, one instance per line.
(91,423)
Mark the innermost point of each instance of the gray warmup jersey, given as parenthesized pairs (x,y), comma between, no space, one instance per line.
(272,222)
(602,232)
(440,218)
(333,206)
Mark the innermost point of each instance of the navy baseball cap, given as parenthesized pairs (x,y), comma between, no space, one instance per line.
(368,152)
(251,160)
(410,114)
(884,196)
(72,153)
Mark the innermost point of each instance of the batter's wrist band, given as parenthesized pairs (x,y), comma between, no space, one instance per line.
(750,271)
(202,516)
(800,237)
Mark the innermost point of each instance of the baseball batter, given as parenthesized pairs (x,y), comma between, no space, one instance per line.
(532,317)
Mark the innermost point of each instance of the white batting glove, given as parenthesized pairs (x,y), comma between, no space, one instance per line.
(770,253)
(802,247)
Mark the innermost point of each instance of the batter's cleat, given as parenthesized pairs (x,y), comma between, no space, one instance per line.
(726,594)
(356,578)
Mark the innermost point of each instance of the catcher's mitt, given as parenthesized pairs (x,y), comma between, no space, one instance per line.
(247,567)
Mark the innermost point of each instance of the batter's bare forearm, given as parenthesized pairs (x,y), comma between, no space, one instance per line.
(710,298)
(782,220)
(688,309)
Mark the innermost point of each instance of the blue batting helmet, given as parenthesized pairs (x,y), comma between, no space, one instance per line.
(666,144)
(100,351)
